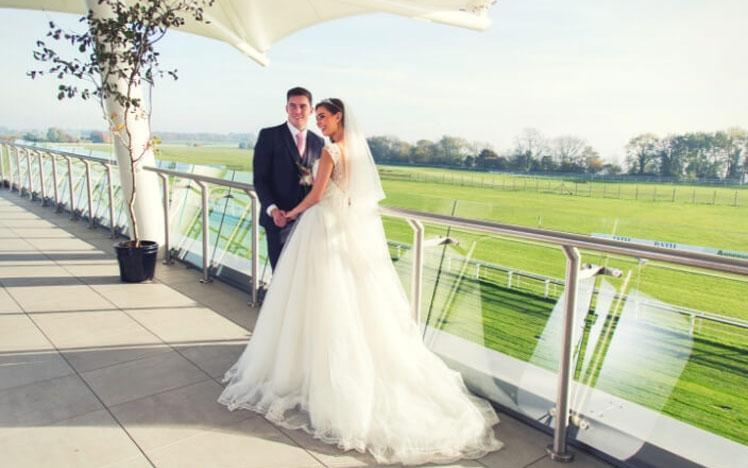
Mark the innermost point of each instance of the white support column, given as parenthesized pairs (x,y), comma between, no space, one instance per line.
(147,209)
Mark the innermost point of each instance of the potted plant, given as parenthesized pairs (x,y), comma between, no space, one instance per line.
(116,55)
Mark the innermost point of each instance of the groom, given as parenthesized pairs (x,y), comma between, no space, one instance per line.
(283,156)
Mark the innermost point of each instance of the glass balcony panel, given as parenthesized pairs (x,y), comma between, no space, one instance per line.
(651,375)
(494,323)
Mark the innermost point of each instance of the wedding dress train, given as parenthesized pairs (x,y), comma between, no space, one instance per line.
(335,352)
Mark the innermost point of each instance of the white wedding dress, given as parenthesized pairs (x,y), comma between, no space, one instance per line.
(335,352)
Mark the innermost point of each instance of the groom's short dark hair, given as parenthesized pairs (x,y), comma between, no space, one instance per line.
(299,91)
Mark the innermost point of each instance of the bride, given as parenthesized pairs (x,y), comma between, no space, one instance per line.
(334,351)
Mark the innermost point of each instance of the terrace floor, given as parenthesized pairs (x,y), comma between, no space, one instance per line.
(95,372)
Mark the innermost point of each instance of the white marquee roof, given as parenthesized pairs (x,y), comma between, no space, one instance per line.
(253,26)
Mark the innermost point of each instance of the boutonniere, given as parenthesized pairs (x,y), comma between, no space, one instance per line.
(305,175)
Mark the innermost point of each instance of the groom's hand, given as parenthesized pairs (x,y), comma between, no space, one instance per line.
(279,218)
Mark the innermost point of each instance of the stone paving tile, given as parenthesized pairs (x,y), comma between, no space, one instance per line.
(52,232)
(131,295)
(18,369)
(23,275)
(169,417)
(188,324)
(58,245)
(95,339)
(252,443)
(68,297)
(7,304)
(16,245)
(42,403)
(213,358)
(522,444)
(581,460)
(137,379)
(19,334)
(91,440)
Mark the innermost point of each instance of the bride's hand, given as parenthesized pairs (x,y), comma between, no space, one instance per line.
(292,215)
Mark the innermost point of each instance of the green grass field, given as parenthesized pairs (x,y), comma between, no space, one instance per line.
(704,225)
(232,158)
(579,186)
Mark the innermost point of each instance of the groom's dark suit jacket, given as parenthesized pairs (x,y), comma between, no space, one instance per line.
(276,174)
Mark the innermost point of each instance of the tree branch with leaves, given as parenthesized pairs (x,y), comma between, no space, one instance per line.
(113,59)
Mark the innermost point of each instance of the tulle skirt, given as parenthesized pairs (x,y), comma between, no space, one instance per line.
(335,353)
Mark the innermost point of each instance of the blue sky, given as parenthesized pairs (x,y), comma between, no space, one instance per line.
(601,69)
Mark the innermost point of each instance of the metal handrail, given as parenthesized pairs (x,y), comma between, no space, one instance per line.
(63,153)
(202,181)
(568,242)
(201,178)
(581,241)
(68,157)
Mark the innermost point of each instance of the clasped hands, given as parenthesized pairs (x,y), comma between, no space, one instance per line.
(281,218)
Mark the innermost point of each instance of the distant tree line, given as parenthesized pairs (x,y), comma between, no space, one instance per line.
(699,155)
(532,152)
(54,135)
(57,135)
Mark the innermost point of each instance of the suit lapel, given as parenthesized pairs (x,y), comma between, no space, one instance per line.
(311,153)
(293,152)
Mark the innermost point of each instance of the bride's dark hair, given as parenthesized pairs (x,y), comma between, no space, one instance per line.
(334,106)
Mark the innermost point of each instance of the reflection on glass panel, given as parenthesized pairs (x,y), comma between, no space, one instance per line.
(639,356)
(654,374)
(536,392)
(5,162)
(79,186)
(49,188)
(484,316)
(100,193)
(229,226)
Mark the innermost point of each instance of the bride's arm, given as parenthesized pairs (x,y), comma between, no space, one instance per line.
(318,189)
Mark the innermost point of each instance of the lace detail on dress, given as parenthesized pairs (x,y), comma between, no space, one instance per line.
(338,172)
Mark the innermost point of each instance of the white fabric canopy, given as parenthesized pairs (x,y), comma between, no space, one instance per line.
(253,26)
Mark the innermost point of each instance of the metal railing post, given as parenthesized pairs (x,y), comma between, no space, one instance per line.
(167,241)
(54,181)
(42,189)
(70,186)
(28,174)
(206,232)
(558,450)
(9,150)
(255,280)
(417,279)
(91,218)
(18,169)
(110,196)
(2,165)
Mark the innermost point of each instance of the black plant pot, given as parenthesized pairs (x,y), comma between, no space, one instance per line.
(136,264)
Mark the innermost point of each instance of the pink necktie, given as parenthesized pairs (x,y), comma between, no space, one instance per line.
(300,143)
